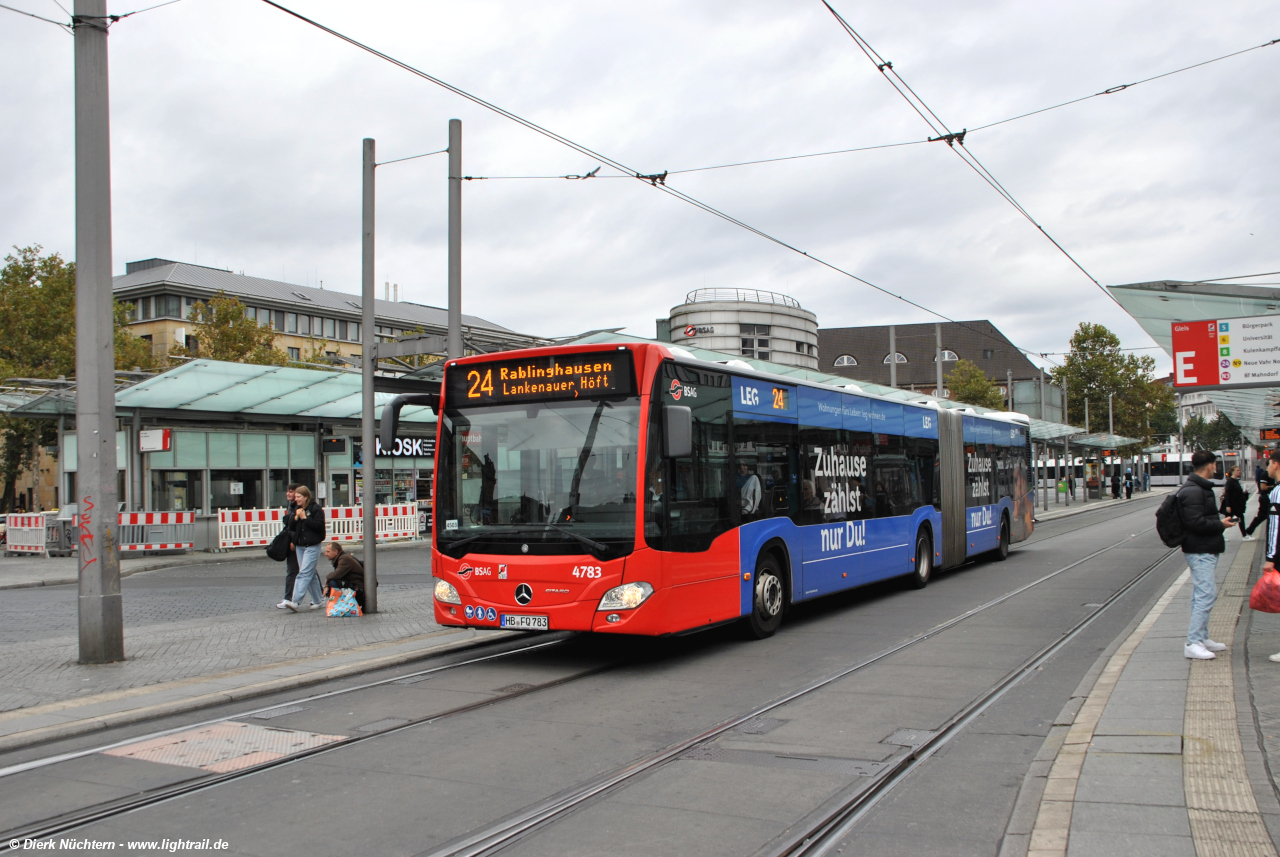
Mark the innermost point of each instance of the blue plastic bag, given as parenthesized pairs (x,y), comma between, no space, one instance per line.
(342,603)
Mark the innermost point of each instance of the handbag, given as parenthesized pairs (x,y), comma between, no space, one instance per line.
(342,603)
(1265,596)
(279,547)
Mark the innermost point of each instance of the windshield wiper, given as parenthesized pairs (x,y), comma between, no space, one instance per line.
(469,539)
(591,543)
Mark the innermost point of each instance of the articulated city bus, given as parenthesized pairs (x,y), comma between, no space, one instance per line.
(635,489)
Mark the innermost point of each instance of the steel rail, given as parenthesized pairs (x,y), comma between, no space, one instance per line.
(538,815)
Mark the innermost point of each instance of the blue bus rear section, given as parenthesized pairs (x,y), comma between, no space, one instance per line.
(847,448)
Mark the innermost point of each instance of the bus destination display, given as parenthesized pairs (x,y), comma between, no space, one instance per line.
(551,377)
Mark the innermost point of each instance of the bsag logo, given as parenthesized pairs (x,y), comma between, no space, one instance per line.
(694,330)
(464,571)
(677,390)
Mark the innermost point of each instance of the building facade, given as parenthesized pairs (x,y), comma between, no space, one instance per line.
(310,323)
(747,322)
(863,353)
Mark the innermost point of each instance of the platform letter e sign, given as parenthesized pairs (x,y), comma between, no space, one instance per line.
(1182,365)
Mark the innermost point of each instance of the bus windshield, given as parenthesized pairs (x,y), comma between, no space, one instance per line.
(539,478)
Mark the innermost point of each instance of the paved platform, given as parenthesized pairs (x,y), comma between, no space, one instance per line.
(197,634)
(1157,754)
(1079,507)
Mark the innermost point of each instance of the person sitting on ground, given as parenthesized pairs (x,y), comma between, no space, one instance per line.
(347,572)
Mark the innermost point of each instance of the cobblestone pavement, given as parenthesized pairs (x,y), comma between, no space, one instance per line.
(196,621)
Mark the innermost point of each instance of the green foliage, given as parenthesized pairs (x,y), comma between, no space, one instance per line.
(38,340)
(1096,368)
(225,333)
(969,384)
(1218,433)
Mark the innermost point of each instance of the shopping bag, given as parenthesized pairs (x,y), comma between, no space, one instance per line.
(1265,597)
(342,603)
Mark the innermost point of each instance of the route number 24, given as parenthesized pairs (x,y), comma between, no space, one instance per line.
(588,571)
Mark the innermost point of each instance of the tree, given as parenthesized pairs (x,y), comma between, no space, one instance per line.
(224,332)
(1217,433)
(969,384)
(38,340)
(1096,368)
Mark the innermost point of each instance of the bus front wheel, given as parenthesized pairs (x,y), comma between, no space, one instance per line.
(767,599)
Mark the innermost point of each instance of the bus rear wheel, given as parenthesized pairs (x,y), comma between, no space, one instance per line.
(919,578)
(767,599)
(1001,553)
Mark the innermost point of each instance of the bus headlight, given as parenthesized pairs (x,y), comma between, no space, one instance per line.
(628,596)
(446,593)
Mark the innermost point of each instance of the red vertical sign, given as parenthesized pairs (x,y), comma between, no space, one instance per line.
(1195,353)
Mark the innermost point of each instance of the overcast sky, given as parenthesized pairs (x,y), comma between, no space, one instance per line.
(236,143)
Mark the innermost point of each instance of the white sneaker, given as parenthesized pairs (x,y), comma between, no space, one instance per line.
(283,605)
(317,605)
(1197,652)
(289,605)
(1249,539)
(1212,646)
(1275,657)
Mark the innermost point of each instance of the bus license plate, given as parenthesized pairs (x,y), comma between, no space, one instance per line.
(525,623)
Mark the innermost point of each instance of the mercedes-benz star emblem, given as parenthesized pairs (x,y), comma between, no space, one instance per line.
(524,594)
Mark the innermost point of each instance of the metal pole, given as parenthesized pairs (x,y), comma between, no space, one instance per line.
(1086,415)
(1008,374)
(893,358)
(135,461)
(100,606)
(1111,414)
(454,345)
(368,437)
(1044,405)
(937,332)
(1071,470)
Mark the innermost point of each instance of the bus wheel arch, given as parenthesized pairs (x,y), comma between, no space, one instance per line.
(770,585)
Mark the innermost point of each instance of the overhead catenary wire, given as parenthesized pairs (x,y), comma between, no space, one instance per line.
(64,26)
(954,140)
(657,180)
(410,158)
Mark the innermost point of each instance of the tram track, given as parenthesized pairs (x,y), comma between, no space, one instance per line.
(546,812)
(845,812)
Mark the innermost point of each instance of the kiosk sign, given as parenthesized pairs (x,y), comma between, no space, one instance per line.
(1230,352)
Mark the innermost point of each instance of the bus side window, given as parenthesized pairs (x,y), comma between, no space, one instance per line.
(765,452)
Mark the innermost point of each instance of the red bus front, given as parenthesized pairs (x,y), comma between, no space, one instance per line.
(540,500)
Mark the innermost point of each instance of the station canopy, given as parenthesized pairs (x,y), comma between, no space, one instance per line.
(1157,305)
(215,387)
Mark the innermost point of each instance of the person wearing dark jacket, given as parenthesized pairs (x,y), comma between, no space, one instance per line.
(1265,486)
(308,533)
(1203,544)
(347,572)
(291,559)
(1234,499)
(1115,485)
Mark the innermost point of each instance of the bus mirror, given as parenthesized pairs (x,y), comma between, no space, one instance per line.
(677,431)
(390,422)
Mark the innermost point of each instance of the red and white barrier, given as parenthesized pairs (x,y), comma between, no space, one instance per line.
(257,527)
(26,534)
(157,531)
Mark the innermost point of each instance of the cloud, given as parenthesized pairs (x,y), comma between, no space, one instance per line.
(236,143)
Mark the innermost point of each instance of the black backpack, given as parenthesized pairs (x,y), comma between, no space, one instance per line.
(1169,521)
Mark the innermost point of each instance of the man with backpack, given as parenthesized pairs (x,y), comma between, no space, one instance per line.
(1190,518)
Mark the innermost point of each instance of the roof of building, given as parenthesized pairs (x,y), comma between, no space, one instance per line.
(198,277)
(969,340)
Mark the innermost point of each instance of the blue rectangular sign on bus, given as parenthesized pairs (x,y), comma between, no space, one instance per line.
(919,422)
(763,398)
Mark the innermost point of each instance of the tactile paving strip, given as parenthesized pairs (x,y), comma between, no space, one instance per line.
(223,747)
(1224,815)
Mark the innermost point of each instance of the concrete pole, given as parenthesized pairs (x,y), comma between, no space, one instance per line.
(1044,405)
(1008,374)
(1071,470)
(893,358)
(100,607)
(368,436)
(135,461)
(937,333)
(454,345)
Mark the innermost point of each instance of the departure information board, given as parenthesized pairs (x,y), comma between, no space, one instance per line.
(545,378)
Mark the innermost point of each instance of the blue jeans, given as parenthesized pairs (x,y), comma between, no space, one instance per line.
(308,581)
(1204,592)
